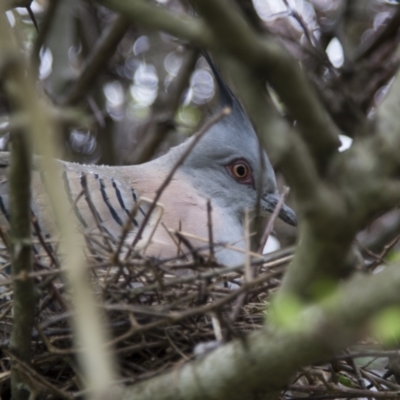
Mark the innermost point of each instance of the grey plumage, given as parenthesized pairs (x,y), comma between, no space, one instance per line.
(225,167)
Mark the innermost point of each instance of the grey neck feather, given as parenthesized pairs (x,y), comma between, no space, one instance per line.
(230,139)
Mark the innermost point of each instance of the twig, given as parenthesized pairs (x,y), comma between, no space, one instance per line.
(386,32)
(216,244)
(174,239)
(32,16)
(210,230)
(151,16)
(341,392)
(20,224)
(43,243)
(310,37)
(272,219)
(197,256)
(248,273)
(175,317)
(44,30)
(34,377)
(368,353)
(384,252)
(167,180)
(100,55)
(206,275)
(163,111)
(356,369)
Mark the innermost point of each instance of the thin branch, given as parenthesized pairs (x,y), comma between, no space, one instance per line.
(101,54)
(19,189)
(33,18)
(154,17)
(21,264)
(264,55)
(341,392)
(269,358)
(167,180)
(210,230)
(42,35)
(272,219)
(35,378)
(97,363)
(387,32)
(16,3)
(164,109)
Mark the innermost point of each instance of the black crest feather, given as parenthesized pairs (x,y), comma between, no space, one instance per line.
(227,98)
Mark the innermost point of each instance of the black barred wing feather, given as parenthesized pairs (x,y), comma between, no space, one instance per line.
(107,210)
(108,207)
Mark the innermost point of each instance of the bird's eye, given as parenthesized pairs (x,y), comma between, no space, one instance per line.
(240,170)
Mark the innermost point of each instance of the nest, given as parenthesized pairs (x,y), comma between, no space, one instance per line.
(161,314)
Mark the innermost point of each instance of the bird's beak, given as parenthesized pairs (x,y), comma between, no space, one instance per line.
(286,214)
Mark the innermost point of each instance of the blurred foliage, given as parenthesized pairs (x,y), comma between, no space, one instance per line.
(140,70)
(323,34)
(386,325)
(129,87)
(286,314)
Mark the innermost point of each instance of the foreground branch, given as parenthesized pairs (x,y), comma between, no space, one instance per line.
(24,296)
(158,18)
(265,362)
(96,361)
(97,60)
(20,217)
(230,32)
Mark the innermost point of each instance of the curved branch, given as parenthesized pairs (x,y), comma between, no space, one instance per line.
(266,361)
(265,55)
(20,215)
(158,18)
(230,32)
(105,48)
(97,362)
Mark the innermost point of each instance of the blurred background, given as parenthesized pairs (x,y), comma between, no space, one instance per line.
(123,95)
(130,88)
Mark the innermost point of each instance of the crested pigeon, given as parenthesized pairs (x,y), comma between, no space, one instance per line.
(225,167)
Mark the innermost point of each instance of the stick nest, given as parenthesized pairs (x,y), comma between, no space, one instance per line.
(161,314)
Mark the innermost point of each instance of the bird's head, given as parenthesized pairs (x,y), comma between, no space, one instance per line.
(229,166)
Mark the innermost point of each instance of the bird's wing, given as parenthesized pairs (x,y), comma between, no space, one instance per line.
(101,203)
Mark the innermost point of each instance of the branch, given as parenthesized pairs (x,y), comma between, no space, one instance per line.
(45,27)
(387,31)
(321,210)
(20,215)
(388,126)
(195,139)
(265,55)
(265,362)
(89,333)
(101,54)
(21,265)
(154,17)
(65,117)
(163,112)
(230,32)
(9,4)
(362,184)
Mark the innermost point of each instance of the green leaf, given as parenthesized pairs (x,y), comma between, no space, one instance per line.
(345,380)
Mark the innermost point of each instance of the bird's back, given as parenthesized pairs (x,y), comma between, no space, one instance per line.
(103,198)
(102,204)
